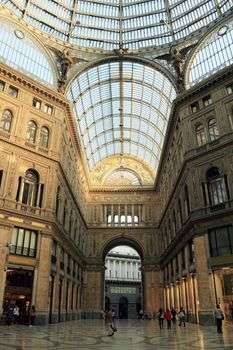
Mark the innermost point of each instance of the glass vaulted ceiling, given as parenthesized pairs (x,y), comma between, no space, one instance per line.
(122,108)
(106,24)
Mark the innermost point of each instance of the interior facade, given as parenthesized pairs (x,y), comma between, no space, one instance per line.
(116,128)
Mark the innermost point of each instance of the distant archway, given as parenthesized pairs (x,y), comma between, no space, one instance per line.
(123,280)
(123,308)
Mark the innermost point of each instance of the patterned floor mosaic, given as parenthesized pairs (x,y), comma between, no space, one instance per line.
(131,335)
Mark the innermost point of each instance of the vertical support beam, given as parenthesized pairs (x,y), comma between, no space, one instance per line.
(151,287)
(94,286)
(4,251)
(205,297)
(42,285)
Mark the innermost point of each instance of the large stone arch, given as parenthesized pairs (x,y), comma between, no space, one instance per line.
(95,268)
(123,240)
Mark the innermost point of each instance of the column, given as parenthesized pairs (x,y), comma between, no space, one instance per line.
(133,214)
(119,214)
(205,298)
(21,189)
(152,288)
(112,215)
(126,214)
(139,214)
(4,252)
(38,196)
(2,182)
(42,285)
(93,291)
(205,185)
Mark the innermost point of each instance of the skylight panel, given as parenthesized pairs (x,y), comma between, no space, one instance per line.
(123,107)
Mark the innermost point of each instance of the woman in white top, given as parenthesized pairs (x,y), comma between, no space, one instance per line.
(219,317)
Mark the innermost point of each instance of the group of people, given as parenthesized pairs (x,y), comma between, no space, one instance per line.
(171,315)
(228,311)
(12,314)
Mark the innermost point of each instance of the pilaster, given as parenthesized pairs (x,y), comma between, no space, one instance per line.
(205,297)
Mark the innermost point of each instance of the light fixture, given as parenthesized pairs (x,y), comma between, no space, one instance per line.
(222,30)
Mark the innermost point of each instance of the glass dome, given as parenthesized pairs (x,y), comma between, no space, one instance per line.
(109,24)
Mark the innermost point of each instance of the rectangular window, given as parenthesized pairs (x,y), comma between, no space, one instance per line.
(13,91)
(48,109)
(194,107)
(221,241)
(36,103)
(23,242)
(229,89)
(207,100)
(2,85)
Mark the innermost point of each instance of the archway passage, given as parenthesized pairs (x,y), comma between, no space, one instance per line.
(123,282)
(123,308)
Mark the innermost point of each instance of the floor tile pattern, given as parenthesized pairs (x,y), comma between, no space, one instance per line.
(131,335)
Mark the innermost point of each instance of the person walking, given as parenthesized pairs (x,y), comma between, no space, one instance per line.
(181,316)
(113,320)
(108,318)
(168,318)
(9,315)
(160,318)
(32,315)
(173,312)
(219,317)
(16,314)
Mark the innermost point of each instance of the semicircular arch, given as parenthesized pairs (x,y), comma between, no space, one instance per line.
(126,241)
(213,53)
(23,51)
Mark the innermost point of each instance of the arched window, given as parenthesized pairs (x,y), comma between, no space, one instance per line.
(44,137)
(28,189)
(215,185)
(31,131)
(213,129)
(6,120)
(200,135)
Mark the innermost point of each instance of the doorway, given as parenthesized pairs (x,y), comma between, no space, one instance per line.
(123,308)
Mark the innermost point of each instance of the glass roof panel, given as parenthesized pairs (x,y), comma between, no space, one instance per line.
(106,25)
(129,116)
(214,53)
(20,51)
(122,177)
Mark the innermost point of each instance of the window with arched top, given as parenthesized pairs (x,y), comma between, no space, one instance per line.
(200,135)
(6,120)
(213,129)
(216,186)
(29,192)
(31,131)
(44,137)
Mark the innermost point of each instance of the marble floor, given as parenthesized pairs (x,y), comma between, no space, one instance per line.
(131,335)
